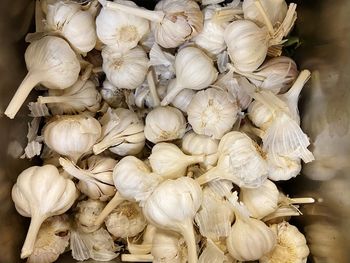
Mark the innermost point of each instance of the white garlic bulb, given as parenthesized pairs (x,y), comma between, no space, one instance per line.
(260,115)
(86,214)
(52,240)
(172,22)
(112,95)
(182,99)
(74,24)
(168,161)
(120,29)
(72,136)
(249,238)
(194,70)
(291,245)
(211,113)
(41,192)
(164,124)
(50,61)
(82,96)
(276,11)
(162,209)
(283,168)
(126,220)
(122,133)
(95,179)
(125,70)
(196,144)
(240,161)
(260,201)
(168,246)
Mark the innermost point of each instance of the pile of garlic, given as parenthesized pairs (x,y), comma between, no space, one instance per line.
(165,133)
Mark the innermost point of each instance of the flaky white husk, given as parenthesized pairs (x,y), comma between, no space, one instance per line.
(283,168)
(119,29)
(72,136)
(291,245)
(213,254)
(74,24)
(260,201)
(86,214)
(52,240)
(211,113)
(164,124)
(126,220)
(196,144)
(168,246)
(125,70)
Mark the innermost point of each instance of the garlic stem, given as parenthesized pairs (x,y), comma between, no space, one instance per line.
(21,94)
(302,200)
(106,143)
(274,51)
(171,94)
(152,87)
(187,232)
(52,99)
(154,16)
(75,171)
(140,249)
(293,93)
(113,203)
(265,17)
(192,159)
(137,258)
(281,212)
(233,69)
(210,175)
(97,70)
(32,233)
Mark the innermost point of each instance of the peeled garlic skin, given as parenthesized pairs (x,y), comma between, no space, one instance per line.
(164,124)
(247,44)
(125,70)
(291,245)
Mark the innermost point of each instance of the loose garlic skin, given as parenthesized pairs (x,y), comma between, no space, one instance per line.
(74,24)
(126,220)
(125,70)
(51,62)
(86,214)
(211,113)
(291,245)
(119,29)
(164,124)
(72,136)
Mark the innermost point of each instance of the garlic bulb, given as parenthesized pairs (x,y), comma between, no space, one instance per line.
(240,161)
(134,182)
(279,74)
(125,70)
(164,124)
(72,136)
(182,99)
(195,144)
(170,162)
(50,61)
(120,29)
(86,214)
(212,254)
(122,133)
(215,216)
(162,209)
(260,115)
(249,238)
(168,246)
(211,113)
(52,240)
(276,11)
(82,96)
(74,24)
(291,245)
(95,179)
(126,220)
(283,168)
(173,22)
(260,201)
(112,95)
(41,192)
(194,70)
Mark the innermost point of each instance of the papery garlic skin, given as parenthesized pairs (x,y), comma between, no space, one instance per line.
(125,70)
(283,168)
(120,30)
(164,124)
(291,245)
(51,62)
(211,113)
(74,24)
(126,220)
(260,201)
(86,214)
(52,240)
(212,253)
(41,192)
(72,136)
